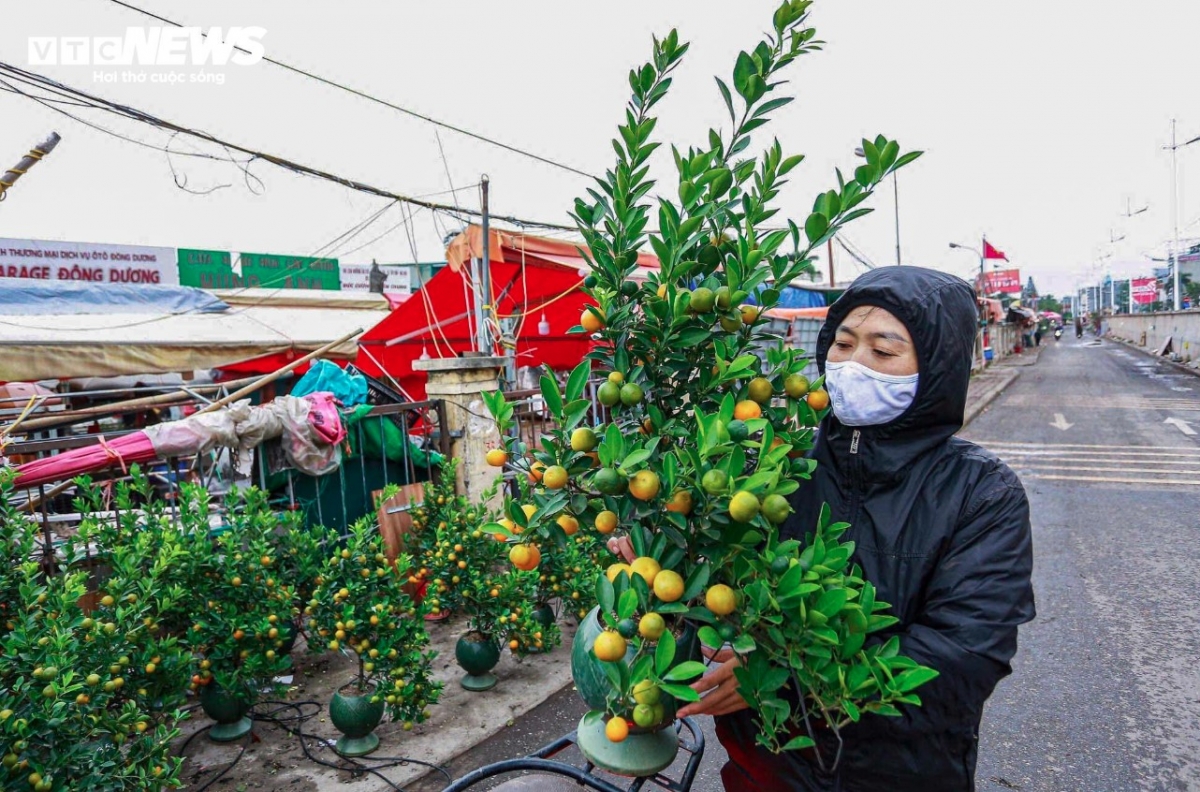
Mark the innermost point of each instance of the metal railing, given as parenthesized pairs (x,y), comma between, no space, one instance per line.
(392,444)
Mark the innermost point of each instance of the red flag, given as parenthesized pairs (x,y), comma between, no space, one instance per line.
(990,252)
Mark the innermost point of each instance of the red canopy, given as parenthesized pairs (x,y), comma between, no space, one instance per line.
(531,278)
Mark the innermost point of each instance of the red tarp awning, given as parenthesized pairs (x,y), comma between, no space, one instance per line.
(531,277)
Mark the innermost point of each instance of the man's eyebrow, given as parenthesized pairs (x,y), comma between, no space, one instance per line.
(887,336)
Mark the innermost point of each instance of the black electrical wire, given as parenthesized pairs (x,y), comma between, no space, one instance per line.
(384,102)
(31,78)
(301,716)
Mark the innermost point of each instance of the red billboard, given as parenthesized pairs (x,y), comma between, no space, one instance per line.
(1145,290)
(1006,281)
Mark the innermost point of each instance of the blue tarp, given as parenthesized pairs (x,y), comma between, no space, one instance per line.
(795,297)
(325,377)
(21,297)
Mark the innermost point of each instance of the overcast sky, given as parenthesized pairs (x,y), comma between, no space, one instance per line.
(1039,119)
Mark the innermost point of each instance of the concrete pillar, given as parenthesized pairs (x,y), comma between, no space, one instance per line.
(459,382)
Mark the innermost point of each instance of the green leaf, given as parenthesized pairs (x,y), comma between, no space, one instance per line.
(552,396)
(681,692)
(727,97)
(628,604)
(605,594)
(743,70)
(832,602)
(696,581)
(664,653)
(907,158)
(744,644)
(798,743)
(774,104)
(815,226)
(578,380)
(710,638)
(684,671)
(910,680)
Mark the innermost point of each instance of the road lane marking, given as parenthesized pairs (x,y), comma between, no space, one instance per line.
(1060,422)
(1181,425)
(1109,447)
(1153,456)
(1105,479)
(1074,469)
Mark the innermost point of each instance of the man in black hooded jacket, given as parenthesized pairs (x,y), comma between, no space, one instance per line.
(941,527)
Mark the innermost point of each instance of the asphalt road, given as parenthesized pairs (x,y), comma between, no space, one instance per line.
(1105,693)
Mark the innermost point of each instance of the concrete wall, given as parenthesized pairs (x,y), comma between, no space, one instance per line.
(1152,330)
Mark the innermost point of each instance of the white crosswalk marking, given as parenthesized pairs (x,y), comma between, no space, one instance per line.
(1154,466)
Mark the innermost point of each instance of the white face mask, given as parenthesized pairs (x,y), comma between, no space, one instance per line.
(863,397)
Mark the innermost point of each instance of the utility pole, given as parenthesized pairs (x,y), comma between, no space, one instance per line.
(34,156)
(829,252)
(1174,217)
(483,285)
(1174,256)
(896,194)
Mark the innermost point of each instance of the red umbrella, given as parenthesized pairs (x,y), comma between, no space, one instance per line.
(122,451)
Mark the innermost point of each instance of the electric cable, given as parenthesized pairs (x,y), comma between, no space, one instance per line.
(126,111)
(384,102)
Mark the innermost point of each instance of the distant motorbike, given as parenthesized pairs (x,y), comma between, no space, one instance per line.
(1057,333)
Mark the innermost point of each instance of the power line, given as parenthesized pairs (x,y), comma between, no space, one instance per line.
(384,102)
(125,111)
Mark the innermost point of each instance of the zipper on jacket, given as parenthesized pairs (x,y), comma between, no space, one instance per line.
(855,479)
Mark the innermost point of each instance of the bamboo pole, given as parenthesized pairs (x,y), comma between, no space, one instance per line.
(9,177)
(269,378)
(129,405)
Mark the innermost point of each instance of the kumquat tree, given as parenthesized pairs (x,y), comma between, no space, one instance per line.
(709,418)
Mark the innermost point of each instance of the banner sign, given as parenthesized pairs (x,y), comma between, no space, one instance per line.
(1002,281)
(357,278)
(1145,290)
(37,259)
(207,269)
(270,271)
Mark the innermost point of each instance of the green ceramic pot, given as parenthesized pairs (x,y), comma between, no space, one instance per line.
(227,710)
(641,754)
(287,633)
(355,715)
(588,673)
(544,614)
(477,654)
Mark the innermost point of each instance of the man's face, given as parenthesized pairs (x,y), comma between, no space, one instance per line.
(875,338)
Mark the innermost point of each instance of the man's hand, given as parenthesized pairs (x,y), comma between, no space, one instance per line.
(721,687)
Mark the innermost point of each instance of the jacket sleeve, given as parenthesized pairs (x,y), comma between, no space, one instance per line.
(979,592)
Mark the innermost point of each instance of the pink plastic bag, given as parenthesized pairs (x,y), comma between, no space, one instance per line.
(324,418)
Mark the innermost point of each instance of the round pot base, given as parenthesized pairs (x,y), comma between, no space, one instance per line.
(357,746)
(637,756)
(228,732)
(478,683)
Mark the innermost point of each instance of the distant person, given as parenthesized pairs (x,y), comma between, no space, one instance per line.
(377,278)
(1037,336)
(1078,327)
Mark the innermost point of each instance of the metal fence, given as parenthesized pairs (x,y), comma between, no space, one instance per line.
(389,444)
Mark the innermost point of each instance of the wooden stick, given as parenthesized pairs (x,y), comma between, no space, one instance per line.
(269,378)
(74,416)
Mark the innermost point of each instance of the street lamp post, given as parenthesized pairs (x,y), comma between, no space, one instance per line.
(982,305)
(896,199)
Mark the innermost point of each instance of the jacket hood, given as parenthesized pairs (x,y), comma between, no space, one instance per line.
(940,313)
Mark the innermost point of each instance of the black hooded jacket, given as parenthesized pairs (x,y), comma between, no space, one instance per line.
(941,527)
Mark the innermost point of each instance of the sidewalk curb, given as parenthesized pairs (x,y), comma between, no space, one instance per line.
(990,394)
(1130,345)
